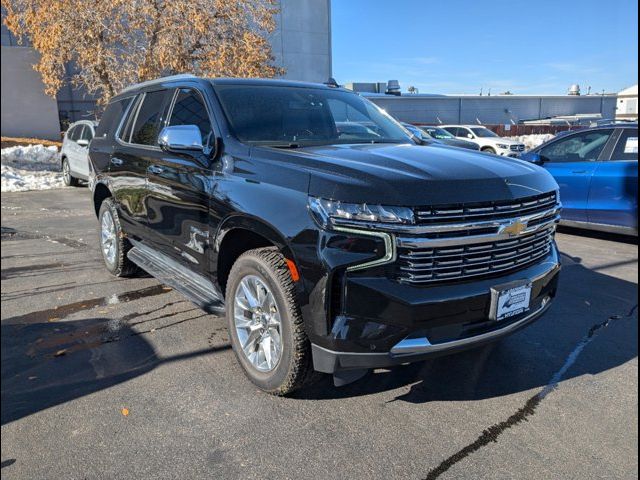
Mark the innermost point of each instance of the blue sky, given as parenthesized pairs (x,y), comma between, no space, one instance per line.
(460,46)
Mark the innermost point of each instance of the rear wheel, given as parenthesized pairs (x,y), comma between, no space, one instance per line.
(113,244)
(265,323)
(67,177)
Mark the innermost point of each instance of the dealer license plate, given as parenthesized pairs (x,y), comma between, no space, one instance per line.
(510,300)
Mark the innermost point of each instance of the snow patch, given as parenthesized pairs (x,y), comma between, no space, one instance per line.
(534,140)
(32,167)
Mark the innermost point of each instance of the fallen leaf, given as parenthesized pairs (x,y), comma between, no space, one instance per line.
(60,353)
(125,411)
(54,319)
(32,377)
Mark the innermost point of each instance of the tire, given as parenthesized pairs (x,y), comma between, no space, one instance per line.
(69,180)
(293,369)
(115,260)
(489,150)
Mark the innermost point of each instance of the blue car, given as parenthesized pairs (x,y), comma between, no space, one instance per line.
(597,170)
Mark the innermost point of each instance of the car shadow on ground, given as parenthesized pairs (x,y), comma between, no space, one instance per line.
(526,360)
(46,364)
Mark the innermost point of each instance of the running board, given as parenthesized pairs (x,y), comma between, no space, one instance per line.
(195,287)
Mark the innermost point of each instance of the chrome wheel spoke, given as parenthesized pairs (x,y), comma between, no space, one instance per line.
(108,237)
(257,323)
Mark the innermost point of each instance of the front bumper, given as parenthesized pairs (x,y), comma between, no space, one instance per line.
(385,323)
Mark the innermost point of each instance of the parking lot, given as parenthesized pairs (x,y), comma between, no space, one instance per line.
(110,378)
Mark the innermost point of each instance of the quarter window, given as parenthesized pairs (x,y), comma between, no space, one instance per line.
(579,147)
(627,146)
(189,109)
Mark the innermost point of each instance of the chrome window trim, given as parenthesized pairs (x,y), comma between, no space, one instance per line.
(154,148)
(389,245)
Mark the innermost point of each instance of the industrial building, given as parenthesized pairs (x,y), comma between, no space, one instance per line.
(301,44)
(483,109)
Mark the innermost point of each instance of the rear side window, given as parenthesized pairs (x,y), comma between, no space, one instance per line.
(74,133)
(112,115)
(189,109)
(627,146)
(86,133)
(147,122)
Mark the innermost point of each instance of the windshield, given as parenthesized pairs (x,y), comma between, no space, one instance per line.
(438,133)
(483,132)
(297,116)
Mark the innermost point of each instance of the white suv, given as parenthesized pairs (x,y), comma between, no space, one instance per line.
(487,140)
(74,152)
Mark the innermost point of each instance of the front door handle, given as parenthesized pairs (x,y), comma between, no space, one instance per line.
(579,171)
(155,169)
(118,162)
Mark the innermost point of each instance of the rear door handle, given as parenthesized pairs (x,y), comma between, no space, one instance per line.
(579,171)
(117,161)
(155,169)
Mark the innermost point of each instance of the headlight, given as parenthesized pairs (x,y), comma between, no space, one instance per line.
(330,212)
(502,146)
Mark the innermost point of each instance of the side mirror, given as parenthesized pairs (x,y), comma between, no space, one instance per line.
(469,136)
(83,142)
(181,139)
(534,157)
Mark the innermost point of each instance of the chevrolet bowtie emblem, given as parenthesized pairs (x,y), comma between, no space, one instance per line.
(514,229)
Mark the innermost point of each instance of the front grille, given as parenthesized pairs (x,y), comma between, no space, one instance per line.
(452,263)
(459,213)
(517,148)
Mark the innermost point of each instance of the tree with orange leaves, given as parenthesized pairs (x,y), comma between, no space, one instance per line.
(115,43)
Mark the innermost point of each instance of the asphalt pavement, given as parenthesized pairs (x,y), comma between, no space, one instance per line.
(111,378)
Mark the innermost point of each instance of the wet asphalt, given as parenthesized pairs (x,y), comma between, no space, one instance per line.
(110,378)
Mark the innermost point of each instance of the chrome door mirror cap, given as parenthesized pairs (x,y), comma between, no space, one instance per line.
(181,138)
(83,142)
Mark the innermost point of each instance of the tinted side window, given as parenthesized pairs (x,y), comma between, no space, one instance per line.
(111,116)
(125,133)
(453,131)
(627,146)
(189,109)
(147,123)
(580,147)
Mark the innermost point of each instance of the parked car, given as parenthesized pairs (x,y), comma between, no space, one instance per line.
(442,136)
(427,139)
(487,140)
(325,247)
(597,170)
(74,159)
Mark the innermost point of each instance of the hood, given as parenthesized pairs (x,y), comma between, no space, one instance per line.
(412,175)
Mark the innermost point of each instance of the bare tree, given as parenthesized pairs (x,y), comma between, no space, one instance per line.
(114,43)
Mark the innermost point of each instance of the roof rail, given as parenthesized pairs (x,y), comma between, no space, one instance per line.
(182,76)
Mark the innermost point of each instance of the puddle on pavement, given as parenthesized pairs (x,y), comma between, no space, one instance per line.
(63,311)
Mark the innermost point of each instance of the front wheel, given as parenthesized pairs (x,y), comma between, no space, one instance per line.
(67,177)
(265,323)
(489,150)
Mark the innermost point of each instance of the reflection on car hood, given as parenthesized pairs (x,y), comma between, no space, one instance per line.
(415,175)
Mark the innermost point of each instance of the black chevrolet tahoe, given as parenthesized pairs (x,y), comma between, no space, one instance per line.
(329,238)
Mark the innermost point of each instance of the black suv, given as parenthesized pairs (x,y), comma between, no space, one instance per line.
(311,218)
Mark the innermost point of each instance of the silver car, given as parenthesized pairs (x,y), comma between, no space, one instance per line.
(74,153)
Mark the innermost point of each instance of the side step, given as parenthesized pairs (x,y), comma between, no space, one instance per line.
(195,287)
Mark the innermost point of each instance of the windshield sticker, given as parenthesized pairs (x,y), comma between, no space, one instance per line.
(631,145)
